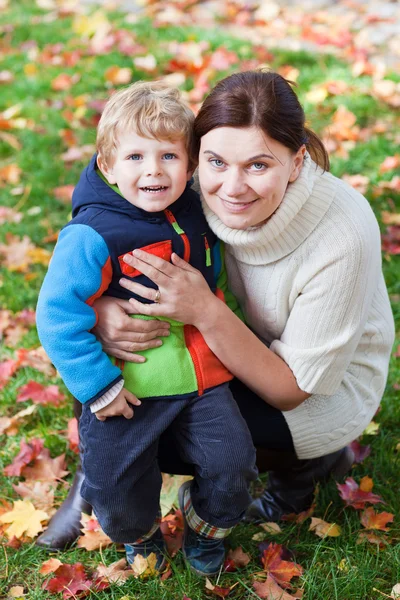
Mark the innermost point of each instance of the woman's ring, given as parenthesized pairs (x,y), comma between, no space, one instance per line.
(157,298)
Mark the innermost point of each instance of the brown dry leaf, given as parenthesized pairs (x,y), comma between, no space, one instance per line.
(118,572)
(241,559)
(390,163)
(118,76)
(16,591)
(63,193)
(45,468)
(93,537)
(10,174)
(271,528)
(40,493)
(323,529)
(10,425)
(37,359)
(389,218)
(24,519)
(9,215)
(15,253)
(270,590)
(372,520)
(144,567)
(50,566)
(373,538)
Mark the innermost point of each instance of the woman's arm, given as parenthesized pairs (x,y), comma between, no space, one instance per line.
(185,296)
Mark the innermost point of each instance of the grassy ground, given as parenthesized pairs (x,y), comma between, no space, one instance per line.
(366,567)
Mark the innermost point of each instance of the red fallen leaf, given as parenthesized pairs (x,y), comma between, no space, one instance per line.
(229,566)
(217,590)
(29,451)
(301,517)
(40,394)
(50,566)
(73,582)
(360,452)
(282,571)
(172,529)
(7,370)
(14,543)
(26,317)
(35,358)
(9,215)
(64,82)
(270,590)
(353,496)
(372,520)
(63,193)
(73,435)
(167,574)
(372,538)
(391,240)
(238,557)
(222,59)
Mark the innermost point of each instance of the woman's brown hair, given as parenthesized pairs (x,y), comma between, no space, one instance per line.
(261,99)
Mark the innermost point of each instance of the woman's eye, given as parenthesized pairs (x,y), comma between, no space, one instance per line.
(135,157)
(169,156)
(216,162)
(258,166)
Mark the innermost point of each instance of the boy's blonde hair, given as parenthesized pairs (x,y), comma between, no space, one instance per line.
(150,109)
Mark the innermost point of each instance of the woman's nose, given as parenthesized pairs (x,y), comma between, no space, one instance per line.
(234,183)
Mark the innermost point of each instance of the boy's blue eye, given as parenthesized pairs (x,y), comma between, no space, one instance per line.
(135,157)
(169,156)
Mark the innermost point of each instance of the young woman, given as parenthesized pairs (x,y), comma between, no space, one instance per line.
(303,259)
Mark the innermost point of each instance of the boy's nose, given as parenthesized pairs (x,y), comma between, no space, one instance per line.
(153,168)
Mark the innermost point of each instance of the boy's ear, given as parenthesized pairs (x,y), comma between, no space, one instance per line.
(107,171)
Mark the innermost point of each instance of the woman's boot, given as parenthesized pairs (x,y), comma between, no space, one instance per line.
(65,526)
(291,489)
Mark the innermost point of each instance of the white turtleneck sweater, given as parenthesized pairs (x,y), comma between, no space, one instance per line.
(310,284)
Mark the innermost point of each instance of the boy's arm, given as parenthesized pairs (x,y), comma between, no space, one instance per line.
(79,272)
(221,278)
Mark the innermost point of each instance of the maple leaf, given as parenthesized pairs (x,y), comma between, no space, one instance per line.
(390,163)
(45,468)
(93,537)
(64,82)
(217,590)
(7,370)
(372,520)
(73,582)
(64,193)
(40,493)
(50,566)
(40,394)
(172,527)
(270,590)
(323,529)
(10,425)
(28,452)
(77,153)
(366,484)
(144,567)
(9,215)
(24,518)
(118,76)
(353,496)
(37,359)
(169,491)
(372,538)
(281,570)
(118,572)
(240,559)
(389,218)
(16,591)
(300,517)
(16,253)
(360,452)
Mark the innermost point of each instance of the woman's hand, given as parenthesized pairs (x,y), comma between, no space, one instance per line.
(183,293)
(120,335)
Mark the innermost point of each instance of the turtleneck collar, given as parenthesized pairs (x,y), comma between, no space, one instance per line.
(303,206)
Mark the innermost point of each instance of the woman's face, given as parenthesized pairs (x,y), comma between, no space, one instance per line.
(244,174)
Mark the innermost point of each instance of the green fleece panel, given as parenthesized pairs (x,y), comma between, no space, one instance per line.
(168,370)
(222,284)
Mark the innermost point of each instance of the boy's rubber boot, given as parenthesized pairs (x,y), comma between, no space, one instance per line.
(154,545)
(204,555)
(65,526)
(291,490)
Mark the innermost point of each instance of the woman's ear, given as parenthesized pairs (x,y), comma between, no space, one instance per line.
(106,170)
(297,163)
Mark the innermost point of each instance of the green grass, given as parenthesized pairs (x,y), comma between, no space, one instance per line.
(366,566)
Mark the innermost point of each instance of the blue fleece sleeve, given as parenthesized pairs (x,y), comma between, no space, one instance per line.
(64,318)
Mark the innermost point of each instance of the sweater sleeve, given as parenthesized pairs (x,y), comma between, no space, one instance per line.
(331,308)
(79,272)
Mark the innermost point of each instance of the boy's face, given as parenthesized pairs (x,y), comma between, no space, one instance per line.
(151,174)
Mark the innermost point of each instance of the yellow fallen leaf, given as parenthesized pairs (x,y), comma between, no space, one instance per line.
(144,567)
(317,95)
(372,428)
(24,519)
(323,529)
(16,591)
(366,484)
(88,25)
(259,537)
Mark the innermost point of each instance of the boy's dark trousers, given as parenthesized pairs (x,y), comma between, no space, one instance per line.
(122,476)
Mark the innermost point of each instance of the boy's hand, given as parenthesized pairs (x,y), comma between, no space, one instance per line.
(119,406)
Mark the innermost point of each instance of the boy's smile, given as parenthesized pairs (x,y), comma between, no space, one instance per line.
(150,173)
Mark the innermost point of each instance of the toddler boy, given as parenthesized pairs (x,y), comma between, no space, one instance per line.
(135,194)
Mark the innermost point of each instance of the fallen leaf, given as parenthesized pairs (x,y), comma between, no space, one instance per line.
(9,215)
(15,253)
(169,491)
(301,517)
(358,182)
(76,153)
(40,493)
(118,572)
(50,566)
(395,593)
(366,484)
(372,538)
(24,519)
(64,82)
(37,359)
(270,590)
(40,394)
(144,567)
(389,218)
(390,163)
(72,581)
(7,370)
(259,537)
(16,591)
(360,452)
(372,429)
(64,193)
(28,452)
(172,528)
(118,76)
(323,529)
(354,496)
(271,528)
(73,435)
(281,570)
(10,174)
(372,520)
(45,468)
(217,590)
(93,537)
